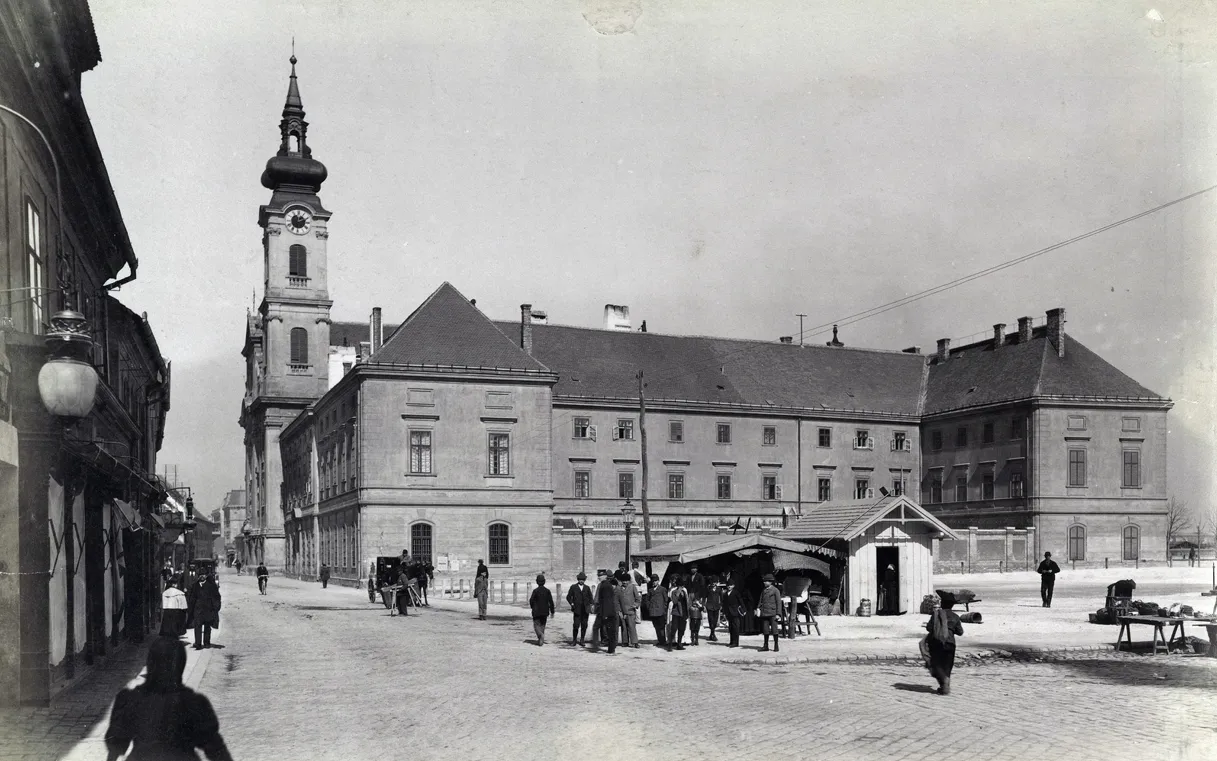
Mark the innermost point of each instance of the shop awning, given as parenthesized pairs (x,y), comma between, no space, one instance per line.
(701,547)
(128,517)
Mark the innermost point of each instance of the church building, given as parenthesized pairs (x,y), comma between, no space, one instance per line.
(518,442)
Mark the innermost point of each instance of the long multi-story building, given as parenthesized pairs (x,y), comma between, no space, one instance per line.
(459,438)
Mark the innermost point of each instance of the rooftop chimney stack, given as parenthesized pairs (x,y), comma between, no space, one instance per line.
(539,317)
(378,335)
(526,328)
(999,335)
(1024,329)
(616,317)
(944,349)
(787,339)
(1056,329)
(365,351)
(912,350)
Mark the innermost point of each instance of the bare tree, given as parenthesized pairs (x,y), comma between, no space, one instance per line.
(1176,519)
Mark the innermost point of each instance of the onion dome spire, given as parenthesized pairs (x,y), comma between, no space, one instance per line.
(293,166)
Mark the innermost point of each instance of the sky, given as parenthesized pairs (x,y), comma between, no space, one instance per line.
(720,166)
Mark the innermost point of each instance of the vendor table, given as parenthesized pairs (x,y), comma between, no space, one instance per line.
(1159,623)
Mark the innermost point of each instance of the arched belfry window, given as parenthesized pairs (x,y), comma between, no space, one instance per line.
(293,142)
(299,346)
(297,261)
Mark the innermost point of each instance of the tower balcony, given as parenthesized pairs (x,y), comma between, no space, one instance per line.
(294,281)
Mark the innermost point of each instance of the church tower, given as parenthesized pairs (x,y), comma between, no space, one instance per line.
(287,341)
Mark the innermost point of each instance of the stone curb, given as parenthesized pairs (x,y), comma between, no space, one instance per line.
(1045,653)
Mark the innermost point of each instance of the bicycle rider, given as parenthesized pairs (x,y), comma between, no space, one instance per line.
(263,577)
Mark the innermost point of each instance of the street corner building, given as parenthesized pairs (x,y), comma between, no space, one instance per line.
(84,390)
(456,437)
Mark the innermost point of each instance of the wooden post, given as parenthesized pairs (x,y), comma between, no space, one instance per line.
(642,427)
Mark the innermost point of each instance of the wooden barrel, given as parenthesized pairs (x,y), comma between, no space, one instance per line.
(864,608)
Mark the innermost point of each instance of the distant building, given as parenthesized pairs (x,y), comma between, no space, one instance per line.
(232,522)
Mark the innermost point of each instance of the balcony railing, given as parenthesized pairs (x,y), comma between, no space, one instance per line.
(295,281)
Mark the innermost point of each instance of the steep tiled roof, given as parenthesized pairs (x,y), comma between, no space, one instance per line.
(978,374)
(447,330)
(604,363)
(846,519)
(353,333)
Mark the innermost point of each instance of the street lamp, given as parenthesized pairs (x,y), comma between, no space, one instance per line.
(627,518)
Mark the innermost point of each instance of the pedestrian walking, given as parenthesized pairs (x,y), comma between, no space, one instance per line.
(542,605)
(1191,556)
(263,577)
(239,565)
(174,609)
(735,605)
(714,604)
(1047,569)
(696,608)
(769,609)
(162,718)
(943,627)
(631,598)
(579,598)
(608,611)
(426,572)
(678,613)
(657,610)
(203,599)
(325,575)
(481,588)
(401,594)
(483,570)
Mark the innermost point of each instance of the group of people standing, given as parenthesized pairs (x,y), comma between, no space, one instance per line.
(618,603)
(190,600)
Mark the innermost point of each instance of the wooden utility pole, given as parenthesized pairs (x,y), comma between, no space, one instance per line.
(642,427)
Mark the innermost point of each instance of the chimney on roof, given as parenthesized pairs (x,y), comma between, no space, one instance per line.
(365,351)
(526,328)
(1024,329)
(944,349)
(1056,329)
(834,341)
(787,339)
(616,317)
(377,327)
(999,334)
(912,350)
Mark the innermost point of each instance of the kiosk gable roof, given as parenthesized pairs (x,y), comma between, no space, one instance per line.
(702,547)
(847,519)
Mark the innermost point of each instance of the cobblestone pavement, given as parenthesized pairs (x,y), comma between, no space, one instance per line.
(322,674)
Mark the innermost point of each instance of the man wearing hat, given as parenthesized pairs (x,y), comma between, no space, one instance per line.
(580,600)
(542,604)
(630,598)
(657,610)
(1047,569)
(608,611)
(768,609)
(597,634)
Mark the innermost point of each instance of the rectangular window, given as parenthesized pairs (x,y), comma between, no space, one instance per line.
(420,451)
(625,485)
(1016,428)
(961,437)
(583,484)
(1132,469)
(676,431)
(986,486)
(676,486)
(936,441)
(723,435)
(1077,467)
(724,487)
(824,490)
(581,426)
(862,439)
(34,259)
(825,439)
(769,436)
(986,434)
(861,488)
(625,430)
(500,454)
(900,442)
(935,488)
(769,487)
(898,486)
(1016,485)
(961,489)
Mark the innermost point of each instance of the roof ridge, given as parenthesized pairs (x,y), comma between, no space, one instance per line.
(1039,375)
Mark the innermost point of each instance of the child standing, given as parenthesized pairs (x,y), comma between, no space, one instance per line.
(695,610)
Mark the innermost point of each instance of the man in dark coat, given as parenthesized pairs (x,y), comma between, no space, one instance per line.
(697,584)
(1047,569)
(714,604)
(482,570)
(769,610)
(204,601)
(581,602)
(735,605)
(325,575)
(608,612)
(657,610)
(542,605)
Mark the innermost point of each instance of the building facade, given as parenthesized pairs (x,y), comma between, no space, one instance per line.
(80,512)
(232,520)
(458,438)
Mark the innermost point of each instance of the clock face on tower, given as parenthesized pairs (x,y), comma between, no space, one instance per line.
(298,221)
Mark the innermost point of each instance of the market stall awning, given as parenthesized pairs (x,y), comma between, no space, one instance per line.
(697,548)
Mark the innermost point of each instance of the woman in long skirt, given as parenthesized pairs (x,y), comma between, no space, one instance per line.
(943,625)
(173,608)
